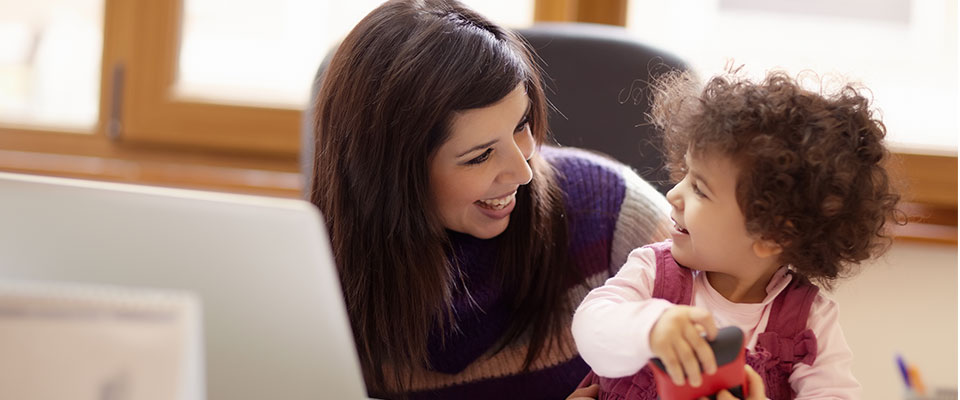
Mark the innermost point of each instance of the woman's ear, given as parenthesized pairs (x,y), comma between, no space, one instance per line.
(764,248)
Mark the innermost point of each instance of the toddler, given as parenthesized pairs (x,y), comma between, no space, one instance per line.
(780,192)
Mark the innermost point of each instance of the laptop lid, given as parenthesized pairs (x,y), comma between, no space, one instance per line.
(274,320)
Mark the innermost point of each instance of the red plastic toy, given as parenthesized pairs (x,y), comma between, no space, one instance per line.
(730,353)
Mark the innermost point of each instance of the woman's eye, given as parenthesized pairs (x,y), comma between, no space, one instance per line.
(522,125)
(481,158)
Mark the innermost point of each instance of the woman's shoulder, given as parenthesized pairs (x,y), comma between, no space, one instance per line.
(587,177)
(596,173)
(602,193)
(578,163)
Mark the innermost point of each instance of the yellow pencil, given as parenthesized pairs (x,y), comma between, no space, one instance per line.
(915,381)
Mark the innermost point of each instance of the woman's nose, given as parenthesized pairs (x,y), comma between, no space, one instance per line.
(517,170)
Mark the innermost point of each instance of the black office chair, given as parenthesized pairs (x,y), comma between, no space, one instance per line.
(597,78)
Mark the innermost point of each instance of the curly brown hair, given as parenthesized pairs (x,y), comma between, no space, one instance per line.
(811,164)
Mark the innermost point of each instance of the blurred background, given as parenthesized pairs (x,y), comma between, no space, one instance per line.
(208,94)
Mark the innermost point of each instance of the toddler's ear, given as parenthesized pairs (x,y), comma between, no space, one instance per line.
(764,248)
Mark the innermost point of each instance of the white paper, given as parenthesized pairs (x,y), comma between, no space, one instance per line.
(77,342)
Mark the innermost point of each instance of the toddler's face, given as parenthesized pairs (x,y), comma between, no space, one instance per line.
(710,231)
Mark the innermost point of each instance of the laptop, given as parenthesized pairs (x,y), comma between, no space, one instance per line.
(273,319)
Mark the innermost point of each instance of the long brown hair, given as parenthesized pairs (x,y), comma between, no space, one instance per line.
(384,108)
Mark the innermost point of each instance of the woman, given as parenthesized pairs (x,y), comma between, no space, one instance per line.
(462,244)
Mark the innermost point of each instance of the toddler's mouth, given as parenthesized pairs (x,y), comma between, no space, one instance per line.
(680,229)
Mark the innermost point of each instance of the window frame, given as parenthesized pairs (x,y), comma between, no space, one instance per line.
(145,135)
(152,113)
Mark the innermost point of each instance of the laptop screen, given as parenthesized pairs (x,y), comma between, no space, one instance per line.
(273,316)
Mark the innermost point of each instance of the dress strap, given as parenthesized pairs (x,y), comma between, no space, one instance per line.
(787,341)
(789,312)
(673,282)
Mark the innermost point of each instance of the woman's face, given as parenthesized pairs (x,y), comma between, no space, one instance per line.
(474,176)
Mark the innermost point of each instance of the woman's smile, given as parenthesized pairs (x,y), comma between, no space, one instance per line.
(497,208)
(497,203)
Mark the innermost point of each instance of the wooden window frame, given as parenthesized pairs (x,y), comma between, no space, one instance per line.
(145,135)
(610,12)
(151,111)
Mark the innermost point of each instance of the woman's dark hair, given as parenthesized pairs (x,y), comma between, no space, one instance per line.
(812,176)
(385,107)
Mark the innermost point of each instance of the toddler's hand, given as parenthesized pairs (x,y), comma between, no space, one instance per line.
(676,338)
(754,382)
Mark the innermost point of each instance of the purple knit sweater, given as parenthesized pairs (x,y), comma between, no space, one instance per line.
(608,209)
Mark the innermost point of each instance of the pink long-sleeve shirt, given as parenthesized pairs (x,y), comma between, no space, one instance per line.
(612,327)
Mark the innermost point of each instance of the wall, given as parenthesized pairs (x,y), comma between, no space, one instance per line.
(904,303)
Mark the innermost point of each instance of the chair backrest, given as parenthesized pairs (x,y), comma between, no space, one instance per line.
(597,78)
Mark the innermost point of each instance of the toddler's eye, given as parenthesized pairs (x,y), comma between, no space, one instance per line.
(697,191)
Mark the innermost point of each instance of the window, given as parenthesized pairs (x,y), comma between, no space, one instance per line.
(266,53)
(239,75)
(904,51)
(208,93)
(50,63)
(196,93)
